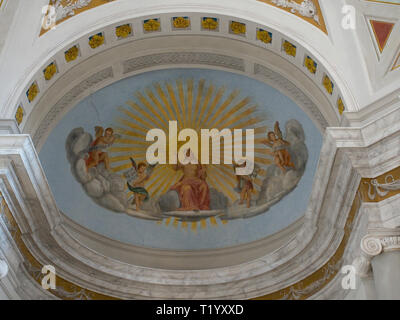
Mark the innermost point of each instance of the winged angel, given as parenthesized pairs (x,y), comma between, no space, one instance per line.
(97,153)
(279,148)
(136,178)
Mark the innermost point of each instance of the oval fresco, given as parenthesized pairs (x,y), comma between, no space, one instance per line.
(183,159)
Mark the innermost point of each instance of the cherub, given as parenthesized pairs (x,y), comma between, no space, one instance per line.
(102,142)
(279,148)
(245,184)
(137,177)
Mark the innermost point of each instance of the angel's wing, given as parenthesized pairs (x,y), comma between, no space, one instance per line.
(133,163)
(277,130)
(99,131)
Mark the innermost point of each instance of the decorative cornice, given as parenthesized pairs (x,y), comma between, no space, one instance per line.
(308,10)
(374,245)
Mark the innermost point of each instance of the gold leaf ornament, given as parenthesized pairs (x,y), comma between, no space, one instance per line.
(151,25)
(32,92)
(50,71)
(123,31)
(181,22)
(71,54)
(341,107)
(238,27)
(19,115)
(96,41)
(310,65)
(289,48)
(328,84)
(209,23)
(264,36)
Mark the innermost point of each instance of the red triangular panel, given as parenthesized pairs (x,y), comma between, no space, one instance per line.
(382,31)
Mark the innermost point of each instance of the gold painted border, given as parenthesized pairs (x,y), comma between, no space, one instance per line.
(93,4)
(396,64)
(321,25)
(384,2)
(366,182)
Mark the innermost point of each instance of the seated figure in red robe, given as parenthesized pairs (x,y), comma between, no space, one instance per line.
(192,189)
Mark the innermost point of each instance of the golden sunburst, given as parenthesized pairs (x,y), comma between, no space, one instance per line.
(196,105)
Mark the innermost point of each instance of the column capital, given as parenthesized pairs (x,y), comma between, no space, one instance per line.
(374,244)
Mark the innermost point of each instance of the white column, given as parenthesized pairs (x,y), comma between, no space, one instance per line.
(382,250)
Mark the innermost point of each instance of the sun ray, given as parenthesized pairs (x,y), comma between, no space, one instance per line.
(132,141)
(167,181)
(133,116)
(137,156)
(130,133)
(126,149)
(162,122)
(158,104)
(164,99)
(198,100)
(222,187)
(224,180)
(250,122)
(213,222)
(222,108)
(204,106)
(215,102)
(178,113)
(121,167)
(153,121)
(231,121)
(243,103)
(132,126)
(175,179)
(159,177)
(181,94)
(189,101)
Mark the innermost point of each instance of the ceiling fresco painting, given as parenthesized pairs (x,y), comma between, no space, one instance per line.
(97,160)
